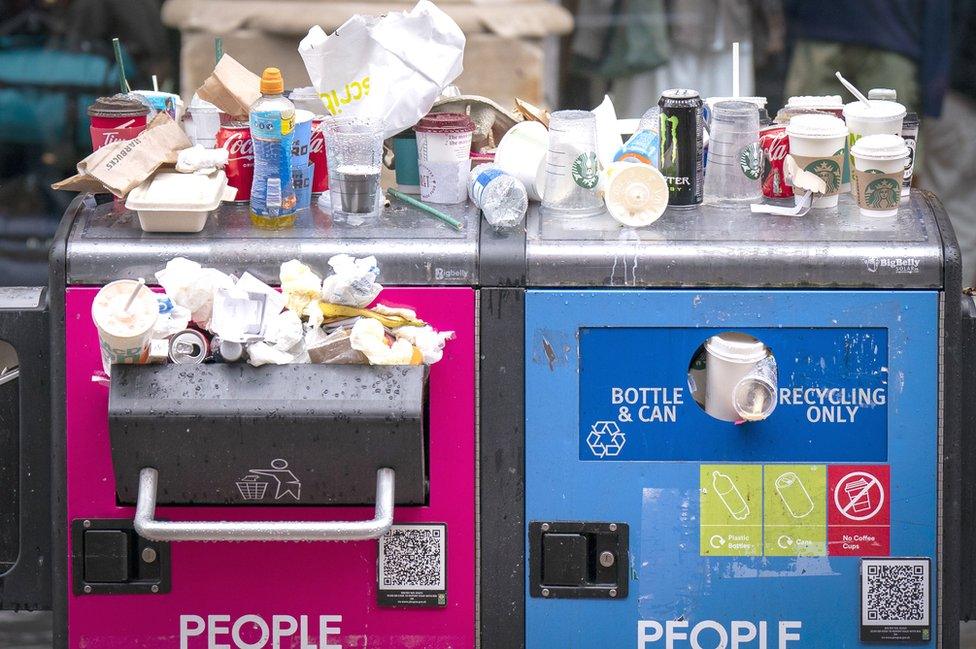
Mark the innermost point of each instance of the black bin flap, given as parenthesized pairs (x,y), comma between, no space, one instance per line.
(274,435)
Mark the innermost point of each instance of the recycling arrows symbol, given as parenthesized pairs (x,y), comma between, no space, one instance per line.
(606,439)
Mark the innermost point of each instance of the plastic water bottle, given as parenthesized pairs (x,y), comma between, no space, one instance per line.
(500,196)
(272,121)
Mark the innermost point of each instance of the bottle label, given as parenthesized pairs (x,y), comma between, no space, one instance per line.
(481,181)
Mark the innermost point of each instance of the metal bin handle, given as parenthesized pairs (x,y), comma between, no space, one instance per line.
(154,530)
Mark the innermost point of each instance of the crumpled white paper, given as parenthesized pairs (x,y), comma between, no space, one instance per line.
(353,282)
(390,68)
(284,331)
(199,160)
(429,342)
(192,286)
(369,337)
(299,284)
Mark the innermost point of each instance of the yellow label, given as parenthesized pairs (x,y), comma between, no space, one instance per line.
(352,92)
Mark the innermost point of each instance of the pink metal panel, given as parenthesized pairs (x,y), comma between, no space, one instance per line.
(283,579)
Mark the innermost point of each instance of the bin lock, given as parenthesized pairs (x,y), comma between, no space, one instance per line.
(148,527)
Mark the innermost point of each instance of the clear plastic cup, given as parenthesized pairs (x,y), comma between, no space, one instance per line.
(572,166)
(355,152)
(734,156)
(879,168)
(818,145)
(730,357)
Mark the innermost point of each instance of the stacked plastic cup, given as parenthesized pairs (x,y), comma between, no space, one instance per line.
(355,153)
(572,166)
(734,156)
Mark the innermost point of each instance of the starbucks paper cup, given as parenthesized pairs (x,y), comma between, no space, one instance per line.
(124,335)
(879,168)
(817,144)
(444,157)
(522,153)
(876,118)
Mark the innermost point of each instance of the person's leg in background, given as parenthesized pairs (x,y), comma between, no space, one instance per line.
(948,169)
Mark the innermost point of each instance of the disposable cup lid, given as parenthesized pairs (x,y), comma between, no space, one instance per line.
(815,101)
(736,347)
(877,110)
(880,147)
(302,115)
(814,125)
(733,108)
(117,106)
(445,123)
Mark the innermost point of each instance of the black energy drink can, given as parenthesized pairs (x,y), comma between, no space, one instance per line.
(680,158)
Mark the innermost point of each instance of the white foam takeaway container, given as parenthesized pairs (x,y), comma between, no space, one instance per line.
(176,202)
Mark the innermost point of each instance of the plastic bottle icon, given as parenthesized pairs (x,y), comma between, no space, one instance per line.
(730,496)
(794,495)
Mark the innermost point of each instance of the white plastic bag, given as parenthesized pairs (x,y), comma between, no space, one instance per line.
(390,68)
(353,281)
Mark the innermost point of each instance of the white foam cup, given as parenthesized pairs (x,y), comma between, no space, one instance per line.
(522,153)
(729,358)
(124,335)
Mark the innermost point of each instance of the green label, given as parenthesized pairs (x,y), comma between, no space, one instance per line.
(883,193)
(586,170)
(731,510)
(750,160)
(795,504)
(829,170)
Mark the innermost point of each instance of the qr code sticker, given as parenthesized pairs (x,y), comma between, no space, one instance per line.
(412,557)
(895,592)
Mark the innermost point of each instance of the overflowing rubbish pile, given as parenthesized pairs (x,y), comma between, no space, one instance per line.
(204,315)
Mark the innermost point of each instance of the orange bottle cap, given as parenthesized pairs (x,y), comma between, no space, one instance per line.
(271,82)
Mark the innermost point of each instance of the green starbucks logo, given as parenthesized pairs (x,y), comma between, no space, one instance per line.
(882,194)
(751,161)
(586,170)
(829,171)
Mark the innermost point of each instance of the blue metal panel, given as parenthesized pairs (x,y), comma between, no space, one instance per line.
(660,499)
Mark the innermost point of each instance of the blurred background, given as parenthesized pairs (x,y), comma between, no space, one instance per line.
(56,57)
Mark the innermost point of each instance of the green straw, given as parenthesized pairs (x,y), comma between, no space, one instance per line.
(123,84)
(424,207)
(219,48)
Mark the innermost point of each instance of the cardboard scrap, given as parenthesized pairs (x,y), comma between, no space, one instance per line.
(232,88)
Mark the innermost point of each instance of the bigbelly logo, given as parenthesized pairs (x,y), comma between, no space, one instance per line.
(257,632)
(710,634)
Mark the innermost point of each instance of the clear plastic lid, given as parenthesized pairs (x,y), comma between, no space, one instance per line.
(880,147)
(815,125)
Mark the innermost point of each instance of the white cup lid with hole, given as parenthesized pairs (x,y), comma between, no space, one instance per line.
(736,348)
(877,110)
(816,126)
(880,147)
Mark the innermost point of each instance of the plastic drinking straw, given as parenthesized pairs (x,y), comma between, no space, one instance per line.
(132,298)
(219,48)
(123,83)
(735,69)
(854,91)
(155,84)
(424,207)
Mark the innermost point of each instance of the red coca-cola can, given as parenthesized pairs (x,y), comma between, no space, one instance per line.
(775,146)
(116,118)
(236,138)
(317,157)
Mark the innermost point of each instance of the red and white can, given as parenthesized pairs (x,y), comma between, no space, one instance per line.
(775,146)
(317,157)
(236,138)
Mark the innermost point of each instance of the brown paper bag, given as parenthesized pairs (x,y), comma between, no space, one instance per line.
(232,88)
(121,166)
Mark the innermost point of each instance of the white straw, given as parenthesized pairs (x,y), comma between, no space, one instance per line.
(735,69)
(155,84)
(854,91)
(132,298)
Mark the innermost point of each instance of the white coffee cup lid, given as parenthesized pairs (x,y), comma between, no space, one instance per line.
(736,347)
(880,147)
(814,125)
(879,110)
(815,101)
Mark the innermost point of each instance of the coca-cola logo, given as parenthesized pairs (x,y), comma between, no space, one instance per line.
(776,146)
(239,146)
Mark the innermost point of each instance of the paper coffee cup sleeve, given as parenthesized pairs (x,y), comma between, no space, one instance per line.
(801,179)
(876,190)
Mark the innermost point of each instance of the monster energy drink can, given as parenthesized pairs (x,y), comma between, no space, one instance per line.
(680,158)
